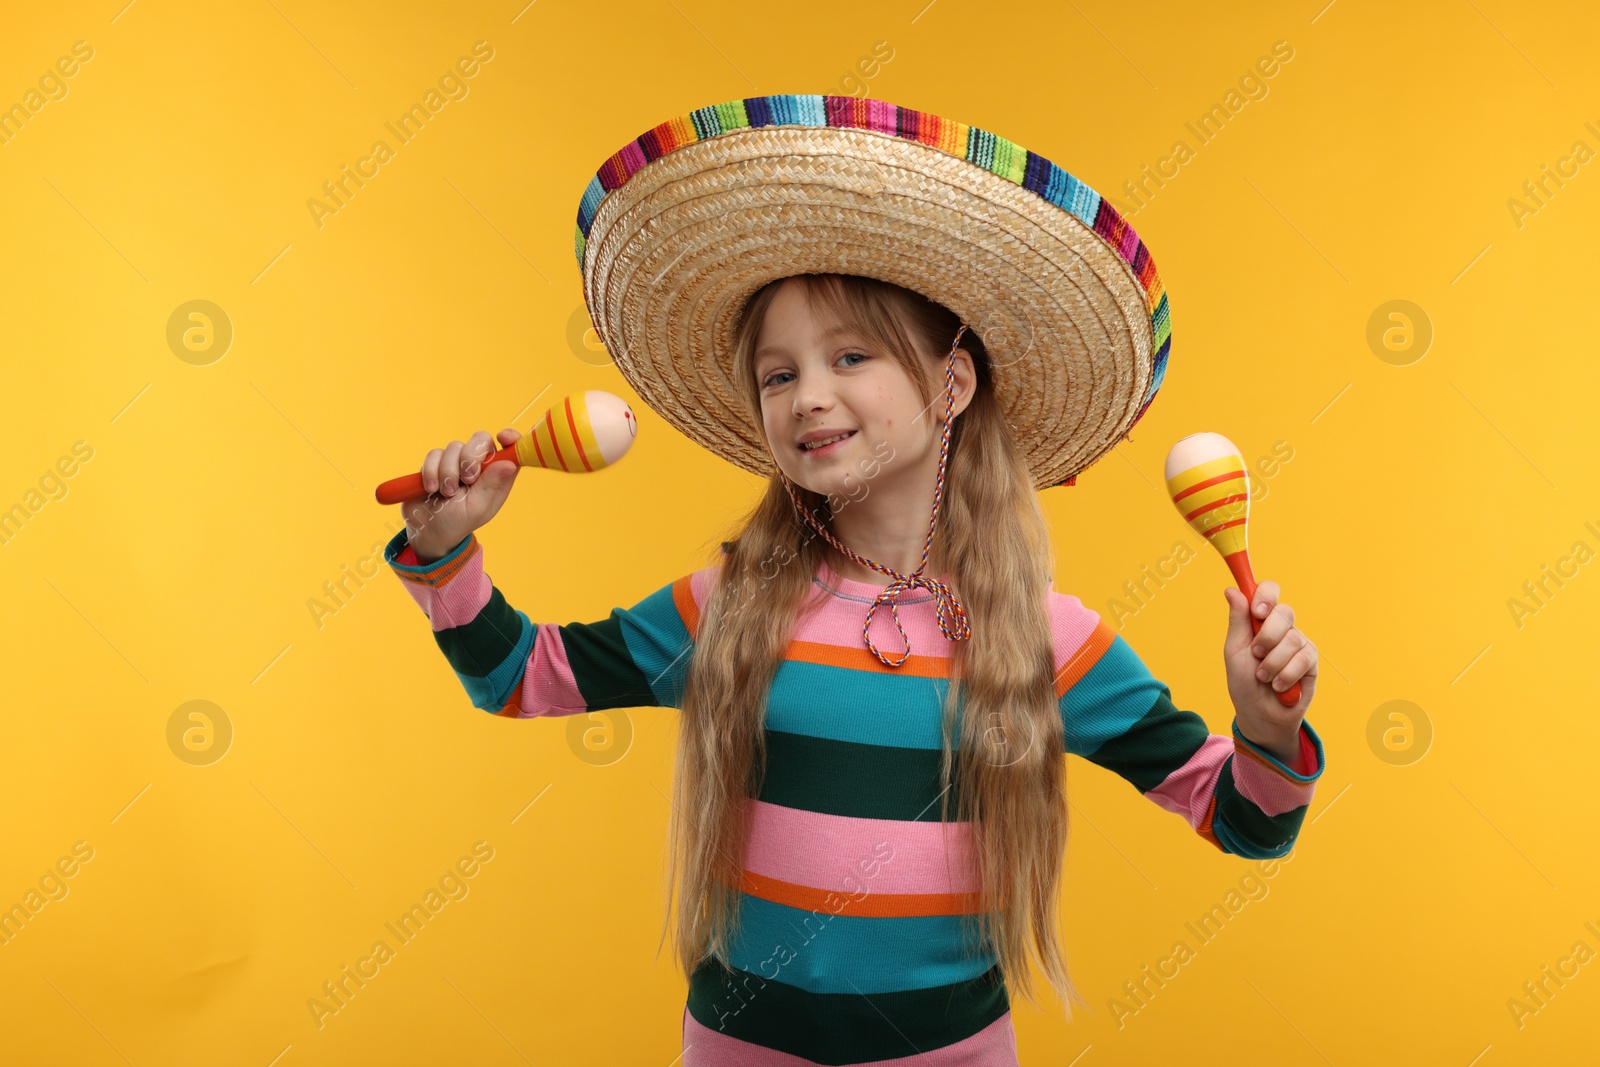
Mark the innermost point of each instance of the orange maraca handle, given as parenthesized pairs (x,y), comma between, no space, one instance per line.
(1239,564)
(409,486)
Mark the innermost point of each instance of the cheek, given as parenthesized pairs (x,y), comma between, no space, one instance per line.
(773,428)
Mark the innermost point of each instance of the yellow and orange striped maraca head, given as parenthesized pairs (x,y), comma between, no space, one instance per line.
(1210,485)
(582,432)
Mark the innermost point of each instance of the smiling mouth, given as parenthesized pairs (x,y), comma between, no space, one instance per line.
(827,445)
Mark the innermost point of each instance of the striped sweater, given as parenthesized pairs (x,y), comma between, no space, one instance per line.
(849,948)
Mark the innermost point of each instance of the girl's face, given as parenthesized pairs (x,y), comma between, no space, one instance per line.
(818,379)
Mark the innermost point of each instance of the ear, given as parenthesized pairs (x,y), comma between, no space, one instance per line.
(966,380)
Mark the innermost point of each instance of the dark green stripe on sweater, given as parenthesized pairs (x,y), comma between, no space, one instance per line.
(849,778)
(476,648)
(1163,739)
(1263,833)
(603,668)
(838,1028)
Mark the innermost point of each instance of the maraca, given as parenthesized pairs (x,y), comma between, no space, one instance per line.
(1207,479)
(584,432)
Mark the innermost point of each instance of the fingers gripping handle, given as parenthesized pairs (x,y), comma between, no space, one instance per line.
(409,486)
(1240,565)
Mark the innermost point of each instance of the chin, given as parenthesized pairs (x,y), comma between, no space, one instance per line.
(819,486)
(824,483)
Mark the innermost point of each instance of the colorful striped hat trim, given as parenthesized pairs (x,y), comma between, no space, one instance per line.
(988,150)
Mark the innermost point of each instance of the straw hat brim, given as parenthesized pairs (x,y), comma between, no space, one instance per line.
(686,222)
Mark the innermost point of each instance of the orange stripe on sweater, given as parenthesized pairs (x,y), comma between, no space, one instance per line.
(688,610)
(1088,654)
(441,575)
(1204,829)
(842,902)
(860,659)
(1252,754)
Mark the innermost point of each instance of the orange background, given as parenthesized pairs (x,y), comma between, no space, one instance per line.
(1440,865)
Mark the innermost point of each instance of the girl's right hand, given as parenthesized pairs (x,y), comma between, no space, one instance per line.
(461,493)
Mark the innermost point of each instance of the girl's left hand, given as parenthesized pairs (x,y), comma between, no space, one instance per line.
(1285,656)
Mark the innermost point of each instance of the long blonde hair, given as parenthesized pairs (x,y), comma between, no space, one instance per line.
(993,542)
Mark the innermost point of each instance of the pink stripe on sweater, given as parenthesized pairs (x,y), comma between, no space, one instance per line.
(993,1046)
(460,599)
(456,601)
(1268,790)
(701,583)
(422,594)
(1071,624)
(1187,791)
(847,854)
(838,622)
(548,687)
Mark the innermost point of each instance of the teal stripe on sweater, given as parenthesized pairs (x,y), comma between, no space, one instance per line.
(490,692)
(1114,694)
(819,700)
(659,643)
(826,953)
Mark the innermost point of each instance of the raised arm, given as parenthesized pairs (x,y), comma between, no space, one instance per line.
(1116,714)
(511,666)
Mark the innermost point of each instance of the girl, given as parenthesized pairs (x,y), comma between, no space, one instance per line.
(869,814)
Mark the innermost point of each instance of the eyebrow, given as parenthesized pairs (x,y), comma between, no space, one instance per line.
(779,350)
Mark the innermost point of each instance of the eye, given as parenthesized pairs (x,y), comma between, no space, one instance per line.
(771,379)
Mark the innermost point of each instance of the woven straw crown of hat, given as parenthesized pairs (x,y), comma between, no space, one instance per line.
(685,222)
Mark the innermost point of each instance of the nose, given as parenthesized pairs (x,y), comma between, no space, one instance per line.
(812,394)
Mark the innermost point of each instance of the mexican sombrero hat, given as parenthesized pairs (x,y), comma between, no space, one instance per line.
(679,227)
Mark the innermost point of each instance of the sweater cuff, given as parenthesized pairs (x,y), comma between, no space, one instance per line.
(400,556)
(1310,756)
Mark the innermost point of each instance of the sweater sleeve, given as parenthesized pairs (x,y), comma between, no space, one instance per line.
(511,666)
(1234,794)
